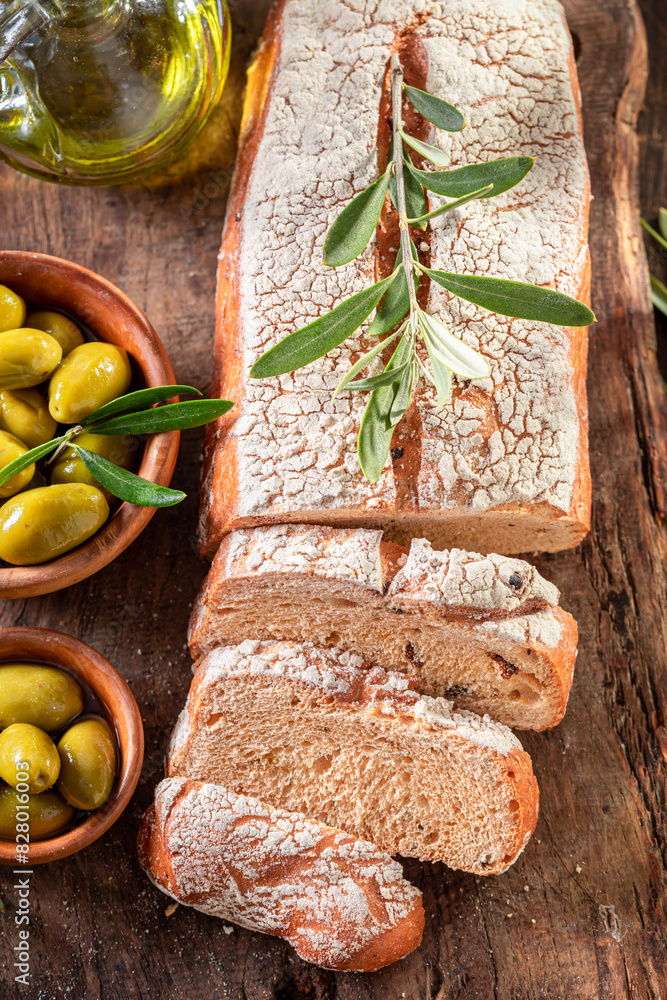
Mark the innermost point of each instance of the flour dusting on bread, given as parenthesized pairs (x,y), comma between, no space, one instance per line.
(340,901)
(503,467)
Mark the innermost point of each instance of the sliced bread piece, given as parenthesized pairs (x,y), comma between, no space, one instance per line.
(484,631)
(307,730)
(340,902)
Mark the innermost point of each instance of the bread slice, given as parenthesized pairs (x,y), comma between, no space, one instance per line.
(503,467)
(484,631)
(340,902)
(308,730)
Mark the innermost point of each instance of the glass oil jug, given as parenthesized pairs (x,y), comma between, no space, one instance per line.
(100,91)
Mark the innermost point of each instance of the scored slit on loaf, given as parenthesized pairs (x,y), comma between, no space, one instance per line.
(341,903)
(307,730)
(503,467)
(483,631)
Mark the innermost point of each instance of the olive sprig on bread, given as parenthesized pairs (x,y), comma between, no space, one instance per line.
(395,296)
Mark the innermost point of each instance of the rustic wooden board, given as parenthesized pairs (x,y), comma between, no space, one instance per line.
(582,914)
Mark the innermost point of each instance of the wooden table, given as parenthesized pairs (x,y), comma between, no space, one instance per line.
(582,913)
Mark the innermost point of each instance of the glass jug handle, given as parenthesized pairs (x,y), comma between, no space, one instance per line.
(18,20)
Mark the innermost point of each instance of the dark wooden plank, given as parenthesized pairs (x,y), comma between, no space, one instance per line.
(582,912)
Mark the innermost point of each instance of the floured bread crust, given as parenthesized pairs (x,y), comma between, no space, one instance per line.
(504,466)
(471,584)
(340,902)
(483,630)
(310,730)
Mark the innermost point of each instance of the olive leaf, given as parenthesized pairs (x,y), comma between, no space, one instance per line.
(125,485)
(403,394)
(662,221)
(658,290)
(172,417)
(355,225)
(322,335)
(381,416)
(662,240)
(451,205)
(363,362)
(658,294)
(441,114)
(503,174)
(515,298)
(450,350)
(375,381)
(396,302)
(19,464)
(442,376)
(142,399)
(425,149)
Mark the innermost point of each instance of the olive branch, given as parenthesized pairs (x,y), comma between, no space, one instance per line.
(395,297)
(133,413)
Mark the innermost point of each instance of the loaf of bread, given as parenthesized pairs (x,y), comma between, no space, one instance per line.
(308,730)
(340,902)
(503,467)
(483,631)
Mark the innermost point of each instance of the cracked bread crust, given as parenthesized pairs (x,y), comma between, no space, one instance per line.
(340,902)
(309,731)
(470,584)
(484,631)
(504,467)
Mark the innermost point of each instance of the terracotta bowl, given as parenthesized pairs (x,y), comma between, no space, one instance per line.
(121,711)
(101,307)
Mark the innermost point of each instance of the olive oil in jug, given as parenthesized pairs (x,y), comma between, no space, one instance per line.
(100,91)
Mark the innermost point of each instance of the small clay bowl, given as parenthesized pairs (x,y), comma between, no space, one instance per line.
(103,309)
(40,645)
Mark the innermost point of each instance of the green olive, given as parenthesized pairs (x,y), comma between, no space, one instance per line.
(42,524)
(92,375)
(61,328)
(28,755)
(25,413)
(10,449)
(12,309)
(87,764)
(44,814)
(27,357)
(42,696)
(117,448)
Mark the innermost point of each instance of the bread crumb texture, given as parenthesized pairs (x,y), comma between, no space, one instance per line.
(307,729)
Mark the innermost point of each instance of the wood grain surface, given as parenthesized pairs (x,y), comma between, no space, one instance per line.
(582,913)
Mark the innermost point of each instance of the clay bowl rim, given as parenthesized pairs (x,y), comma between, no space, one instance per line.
(131,329)
(121,710)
